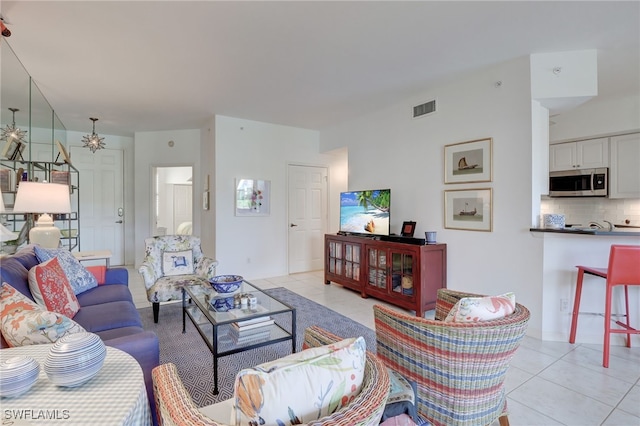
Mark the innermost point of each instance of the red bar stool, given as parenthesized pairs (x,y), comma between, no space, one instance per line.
(624,269)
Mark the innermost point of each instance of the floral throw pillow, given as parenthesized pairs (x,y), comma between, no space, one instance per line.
(80,279)
(25,323)
(177,263)
(474,309)
(50,288)
(301,387)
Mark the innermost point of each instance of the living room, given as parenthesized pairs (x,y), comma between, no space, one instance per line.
(382,147)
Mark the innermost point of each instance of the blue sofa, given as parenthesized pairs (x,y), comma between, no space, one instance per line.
(107,310)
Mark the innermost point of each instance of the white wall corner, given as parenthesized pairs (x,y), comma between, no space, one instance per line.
(563,80)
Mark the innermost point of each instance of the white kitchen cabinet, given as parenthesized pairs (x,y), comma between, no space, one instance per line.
(587,154)
(624,174)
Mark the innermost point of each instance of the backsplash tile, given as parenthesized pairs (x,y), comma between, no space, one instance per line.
(584,210)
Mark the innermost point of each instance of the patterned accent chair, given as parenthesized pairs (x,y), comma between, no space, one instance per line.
(175,407)
(164,286)
(459,368)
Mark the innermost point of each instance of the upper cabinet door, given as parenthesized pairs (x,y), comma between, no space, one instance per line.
(624,174)
(592,153)
(587,154)
(562,156)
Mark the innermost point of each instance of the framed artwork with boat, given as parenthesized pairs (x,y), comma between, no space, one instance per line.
(469,209)
(466,162)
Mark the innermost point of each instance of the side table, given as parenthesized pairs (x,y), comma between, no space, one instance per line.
(93,255)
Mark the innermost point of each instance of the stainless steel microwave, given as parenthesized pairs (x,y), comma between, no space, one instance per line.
(579,183)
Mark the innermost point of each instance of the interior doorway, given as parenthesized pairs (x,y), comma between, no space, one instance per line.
(173,200)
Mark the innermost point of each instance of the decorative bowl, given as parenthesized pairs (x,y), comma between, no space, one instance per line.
(226,283)
(74,359)
(17,375)
(221,304)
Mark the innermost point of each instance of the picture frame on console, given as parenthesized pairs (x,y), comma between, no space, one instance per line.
(408,228)
(470,161)
(469,209)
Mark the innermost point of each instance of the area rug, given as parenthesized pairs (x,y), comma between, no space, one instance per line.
(194,360)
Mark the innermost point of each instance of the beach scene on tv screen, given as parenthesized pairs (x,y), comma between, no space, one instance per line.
(365,212)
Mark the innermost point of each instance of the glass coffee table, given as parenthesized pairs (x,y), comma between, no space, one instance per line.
(214,315)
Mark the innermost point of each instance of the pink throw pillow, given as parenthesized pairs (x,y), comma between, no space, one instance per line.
(476,309)
(50,288)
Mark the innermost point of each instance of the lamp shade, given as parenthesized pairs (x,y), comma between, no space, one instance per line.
(41,197)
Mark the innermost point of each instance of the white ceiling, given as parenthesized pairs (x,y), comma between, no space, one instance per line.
(161,65)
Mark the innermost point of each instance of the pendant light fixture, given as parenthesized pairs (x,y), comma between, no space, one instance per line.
(93,141)
(11,132)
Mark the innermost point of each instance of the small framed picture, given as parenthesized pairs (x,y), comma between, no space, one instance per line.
(467,162)
(253,197)
(468,209)
(408,228)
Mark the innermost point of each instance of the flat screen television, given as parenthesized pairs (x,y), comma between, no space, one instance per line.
(365,212)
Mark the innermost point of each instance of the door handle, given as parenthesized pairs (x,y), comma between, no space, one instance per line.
(118,221)
(291,225)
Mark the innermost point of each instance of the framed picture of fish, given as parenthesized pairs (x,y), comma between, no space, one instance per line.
(466,162)
(469,209)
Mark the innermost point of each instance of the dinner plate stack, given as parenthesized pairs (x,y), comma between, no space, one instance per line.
(17,375)
(75,358)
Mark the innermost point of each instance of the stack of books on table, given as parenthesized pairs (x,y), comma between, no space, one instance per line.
(252,330)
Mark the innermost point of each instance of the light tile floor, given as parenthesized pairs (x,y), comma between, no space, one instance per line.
(549,383)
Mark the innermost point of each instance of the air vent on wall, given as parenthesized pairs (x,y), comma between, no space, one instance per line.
(424,109)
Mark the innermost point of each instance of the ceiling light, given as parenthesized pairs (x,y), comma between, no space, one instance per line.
(11,132)
(93,141)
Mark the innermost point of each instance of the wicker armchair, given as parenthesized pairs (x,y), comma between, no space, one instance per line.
(175,407)
(459,368)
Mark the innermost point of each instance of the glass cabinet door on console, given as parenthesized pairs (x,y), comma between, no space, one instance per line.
(377,268)
(402,277)
(390,271)
(343,260)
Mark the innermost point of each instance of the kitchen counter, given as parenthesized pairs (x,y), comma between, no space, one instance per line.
(626,233)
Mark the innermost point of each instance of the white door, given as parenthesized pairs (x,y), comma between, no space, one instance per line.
(307,217)
(101,200)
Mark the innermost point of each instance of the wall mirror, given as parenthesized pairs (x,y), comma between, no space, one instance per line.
(173,200)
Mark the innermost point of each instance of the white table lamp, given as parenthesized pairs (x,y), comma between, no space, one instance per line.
(44,198)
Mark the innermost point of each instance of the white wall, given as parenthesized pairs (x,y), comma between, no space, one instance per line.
(597,117)
(255,150)
(389,149)
(152,149)
(208,177)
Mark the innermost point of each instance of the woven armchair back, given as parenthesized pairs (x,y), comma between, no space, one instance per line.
(174,405)
(367,407)
(459,368)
